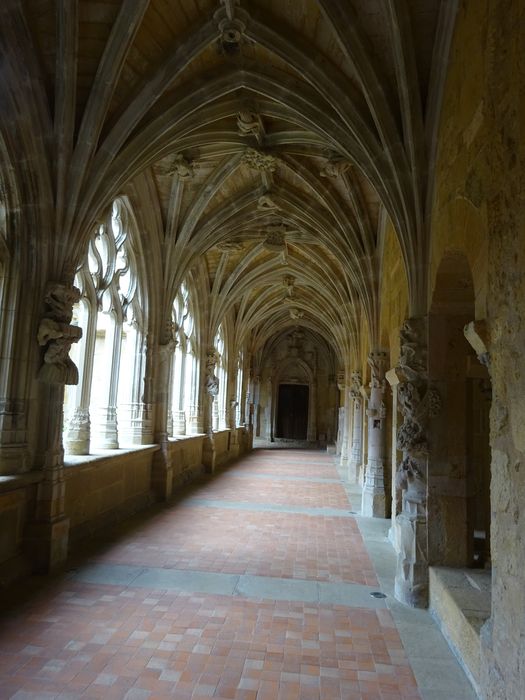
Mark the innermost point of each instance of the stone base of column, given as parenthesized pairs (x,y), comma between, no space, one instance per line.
(373,503)
(411,582)
(46,545)
(162,472)
(209,454)
(353,471)
(77,435)
(235,447)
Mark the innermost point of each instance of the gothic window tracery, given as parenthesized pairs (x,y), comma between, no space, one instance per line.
(184,361)
(104,409)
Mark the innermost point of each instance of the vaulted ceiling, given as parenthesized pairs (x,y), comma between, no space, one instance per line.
(264,142)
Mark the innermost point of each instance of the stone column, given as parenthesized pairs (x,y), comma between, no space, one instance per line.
(373,502)
(341,385)
(78,433)
(162,467)
(356,451)
(47,536)
(417,402)
(106,434)
(232,424)
(211,386)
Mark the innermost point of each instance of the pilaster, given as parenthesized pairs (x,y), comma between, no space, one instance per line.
(356,450)
(417,402)
(47,536)
(374,498)
(162,468)
(211,386)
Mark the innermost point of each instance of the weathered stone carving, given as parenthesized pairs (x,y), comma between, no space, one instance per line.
(417,402)
(250,124)
(211,381)
(340,379)
(335,167)
(413,353)
(265,203)
(410,479)
(181,167)
(295,314)
(230,246)
(57,334)
(275,238)
(289,283)
(259,160)
(355,387)
(231,33)
(476,333)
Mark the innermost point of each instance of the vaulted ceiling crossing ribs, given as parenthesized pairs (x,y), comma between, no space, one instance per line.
(265,142)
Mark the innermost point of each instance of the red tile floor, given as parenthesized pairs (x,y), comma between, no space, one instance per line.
(72,639)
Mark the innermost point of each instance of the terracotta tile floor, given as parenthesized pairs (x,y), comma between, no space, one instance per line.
(80,640)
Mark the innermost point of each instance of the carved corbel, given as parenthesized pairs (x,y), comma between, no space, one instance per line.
(57,335)
(476,333)
(211,381)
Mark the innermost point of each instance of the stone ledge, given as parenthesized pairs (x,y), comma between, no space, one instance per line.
(460,602)
(186,438)
(19,481)
(78,461)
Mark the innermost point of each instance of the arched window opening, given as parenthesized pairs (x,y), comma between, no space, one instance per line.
(184,362)
(102,410)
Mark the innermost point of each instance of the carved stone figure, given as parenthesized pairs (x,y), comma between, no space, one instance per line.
(259,160)
(212,385)
(355,387)
(250,124)
(57,335)
(275,238)
(335,167)
(413,356)
(182,168)
(295,314)
(410,479)
(211,381)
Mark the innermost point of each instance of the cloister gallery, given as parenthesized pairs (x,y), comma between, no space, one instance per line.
(228,223)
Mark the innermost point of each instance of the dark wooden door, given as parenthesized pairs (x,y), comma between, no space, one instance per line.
(292,411)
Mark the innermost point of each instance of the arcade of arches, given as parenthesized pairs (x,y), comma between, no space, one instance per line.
(224,221)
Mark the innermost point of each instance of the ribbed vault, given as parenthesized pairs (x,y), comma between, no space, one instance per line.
(257,142)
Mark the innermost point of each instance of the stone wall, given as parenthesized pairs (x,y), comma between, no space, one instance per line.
(103,490)
(393,294)
(503,640)
(479,209)
(17,498)
(186,458)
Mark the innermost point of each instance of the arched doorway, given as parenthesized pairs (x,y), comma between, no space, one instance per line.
(292,411)
(459,467)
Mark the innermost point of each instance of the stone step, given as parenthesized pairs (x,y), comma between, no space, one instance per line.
(460,602)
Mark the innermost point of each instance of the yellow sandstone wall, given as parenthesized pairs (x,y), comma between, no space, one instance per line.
(459,211)
(393,294)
